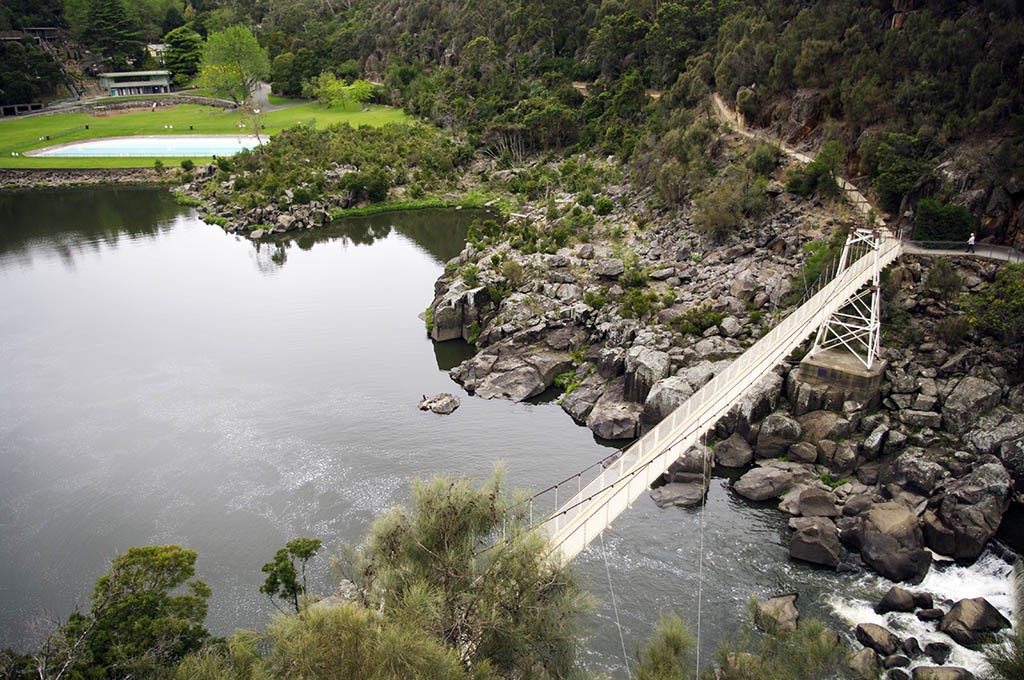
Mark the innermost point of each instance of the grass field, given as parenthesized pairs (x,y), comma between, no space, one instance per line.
(18,135)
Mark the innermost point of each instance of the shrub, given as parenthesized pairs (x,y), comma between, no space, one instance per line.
(635,276)
(158,165)
(999,308)
(428,318)
(638,304)
(471,275)
(943,279)
(187,165)
(603,205)
(513,272)
(942,222)
(596,300)
(764,159)
(952,329)
(696,320)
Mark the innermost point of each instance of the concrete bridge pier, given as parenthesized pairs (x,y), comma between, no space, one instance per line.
(830,377)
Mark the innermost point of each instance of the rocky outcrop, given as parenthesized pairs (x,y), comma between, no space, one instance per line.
(878,638)
(644,368)
(890,542)
(815,540)
(666,396)
(771,480)
(613,417)
(970,512)
(901,600)
(971,398)
(777,432)
(969,620)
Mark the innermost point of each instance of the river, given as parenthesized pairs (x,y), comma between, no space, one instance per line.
(164,382)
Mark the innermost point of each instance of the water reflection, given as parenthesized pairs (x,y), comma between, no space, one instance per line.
(439,232)
(66,222)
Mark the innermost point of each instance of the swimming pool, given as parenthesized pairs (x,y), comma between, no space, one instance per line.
(156,145)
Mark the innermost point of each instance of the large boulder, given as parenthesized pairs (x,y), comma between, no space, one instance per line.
(971,511)
(902,600)
(666,396)
(815,502)
(580,402)
(815,540)
(919,470)
(890,542)
(687,491)
(1012,455)
(734,452)
(760,400)
(644,367)
(818,425)
(777,613)
(511,374)
(778,431)
(771,480)
(969,620)
(612,417)
(968,400)
(941,673)
(878,638)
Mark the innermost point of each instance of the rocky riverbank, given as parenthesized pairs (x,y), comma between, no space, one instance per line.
(44,178)
(635,319)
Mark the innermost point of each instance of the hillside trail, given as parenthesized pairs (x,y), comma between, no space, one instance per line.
(736,121)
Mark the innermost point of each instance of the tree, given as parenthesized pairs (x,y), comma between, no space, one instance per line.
(999,308)
(184,52)
(135,623)
(328,90)
(108,28)
(463,564)
(667,655)
(282,578)
(233,63)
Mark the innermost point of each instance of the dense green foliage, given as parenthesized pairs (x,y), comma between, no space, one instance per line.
(233,63)
(27,73)
(136,623)
(304,161)
(938,222)
(183,53)
(999,308)
(461,563)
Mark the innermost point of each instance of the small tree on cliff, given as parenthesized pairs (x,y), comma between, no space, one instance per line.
(282,577)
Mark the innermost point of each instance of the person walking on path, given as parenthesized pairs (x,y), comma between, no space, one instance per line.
(970,243)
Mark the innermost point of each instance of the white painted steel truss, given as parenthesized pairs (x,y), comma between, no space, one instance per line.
(857,325)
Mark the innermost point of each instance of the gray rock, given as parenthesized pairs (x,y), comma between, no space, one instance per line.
(973,507)
(938,652)
(777,432)
(644,367)
(890,542)
(580,402)
(878,638)
(988,438)
(864,664)
(969,399)
(920,418)
(612,416)
(442,404)
(816,502)
(731,327)
(918,470)
(734,452)
(970,619)
(872,444)
(257,234)
(611,362)
(803,452)
(777,613)
(930,614)
(941,673)
(857,504)
(666,396)
(895,661)
(611,267)
(683,494)
(815,540)
(818,425)
(759,401)
(897,600)
(840,458)
(771,481)
(1012,455)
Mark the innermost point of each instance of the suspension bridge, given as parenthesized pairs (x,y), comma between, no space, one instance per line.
(843,312)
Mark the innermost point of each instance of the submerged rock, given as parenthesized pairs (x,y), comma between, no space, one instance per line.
(442,404)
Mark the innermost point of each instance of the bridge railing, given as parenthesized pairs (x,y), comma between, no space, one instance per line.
(585,515)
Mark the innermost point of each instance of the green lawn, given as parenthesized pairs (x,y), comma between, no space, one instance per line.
(18,135)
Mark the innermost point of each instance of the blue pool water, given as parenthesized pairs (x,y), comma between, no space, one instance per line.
(162,145)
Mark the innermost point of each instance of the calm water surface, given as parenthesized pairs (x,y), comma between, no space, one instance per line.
(163,382)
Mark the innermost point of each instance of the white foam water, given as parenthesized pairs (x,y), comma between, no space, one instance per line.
(989,577)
